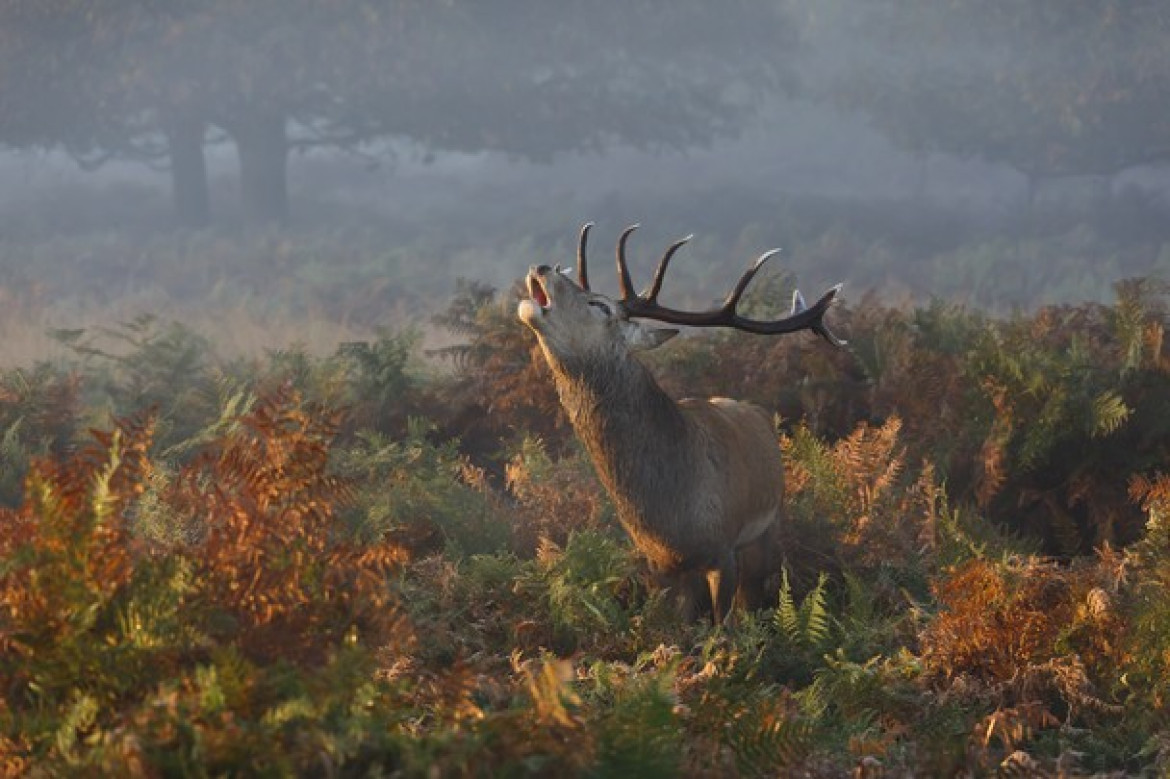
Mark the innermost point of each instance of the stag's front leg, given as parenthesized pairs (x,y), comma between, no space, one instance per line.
(759,572)
(688,592)
(723,581)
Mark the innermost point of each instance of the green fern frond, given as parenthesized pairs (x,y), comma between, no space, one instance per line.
(583,582)
(816,622)
(102,500)
(1109,412)
(1130,314)
(14,457)
(640,734)
(787,617)
(767,739)
(807,625)
(79,717)
(234,401)
(285,712)
(152,618)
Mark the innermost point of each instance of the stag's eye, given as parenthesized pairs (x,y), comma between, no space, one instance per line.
(602,308)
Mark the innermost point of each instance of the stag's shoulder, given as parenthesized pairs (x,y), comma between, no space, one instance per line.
(740,443)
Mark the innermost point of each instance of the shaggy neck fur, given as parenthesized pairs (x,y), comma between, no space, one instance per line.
(637,438)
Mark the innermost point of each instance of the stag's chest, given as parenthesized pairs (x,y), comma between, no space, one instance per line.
(671,536)
(662,498)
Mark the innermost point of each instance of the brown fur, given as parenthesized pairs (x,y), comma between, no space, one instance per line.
(698,484)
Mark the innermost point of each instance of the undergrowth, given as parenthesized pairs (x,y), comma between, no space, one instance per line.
(368,563)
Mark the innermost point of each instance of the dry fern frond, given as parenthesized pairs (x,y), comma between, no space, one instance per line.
(269,553)
(1027,631)
(68,547)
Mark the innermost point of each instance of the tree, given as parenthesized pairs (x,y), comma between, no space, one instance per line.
(64,82)
(524,76)
(1052,87)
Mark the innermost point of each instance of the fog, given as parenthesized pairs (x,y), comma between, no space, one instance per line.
(797,149)
(282,161)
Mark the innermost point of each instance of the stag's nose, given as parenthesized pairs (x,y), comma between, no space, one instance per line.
(540,270)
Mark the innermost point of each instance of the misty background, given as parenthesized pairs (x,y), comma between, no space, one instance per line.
(307,171)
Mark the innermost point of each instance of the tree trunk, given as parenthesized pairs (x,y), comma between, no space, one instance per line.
(262,145)
(188,171)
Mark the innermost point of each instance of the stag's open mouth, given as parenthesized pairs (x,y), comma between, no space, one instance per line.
(537,291)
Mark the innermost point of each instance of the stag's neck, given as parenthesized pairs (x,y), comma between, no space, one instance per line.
(634,432)
(619,395)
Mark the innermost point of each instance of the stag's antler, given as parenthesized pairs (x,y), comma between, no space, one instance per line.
(646,305)
(582,264)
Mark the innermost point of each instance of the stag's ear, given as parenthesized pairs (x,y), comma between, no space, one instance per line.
(639,337)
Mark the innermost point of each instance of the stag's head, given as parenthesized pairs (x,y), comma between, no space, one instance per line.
(573,321)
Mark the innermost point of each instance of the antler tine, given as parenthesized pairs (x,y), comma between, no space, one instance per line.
(741,286)
(651,295)
(582,263)
(627,286)
(820,328)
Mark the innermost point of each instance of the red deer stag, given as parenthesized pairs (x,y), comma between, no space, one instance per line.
(697,483)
